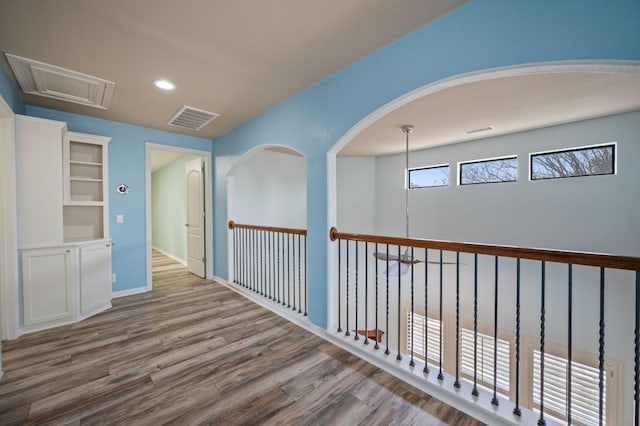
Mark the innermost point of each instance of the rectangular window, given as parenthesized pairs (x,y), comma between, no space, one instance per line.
(588,161)
(426,177)
(584,389)
(423,337)
(489,171)
(485,354)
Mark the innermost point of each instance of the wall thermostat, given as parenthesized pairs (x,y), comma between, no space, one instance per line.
(122,189)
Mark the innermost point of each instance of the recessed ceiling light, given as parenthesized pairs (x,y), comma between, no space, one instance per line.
(164,84)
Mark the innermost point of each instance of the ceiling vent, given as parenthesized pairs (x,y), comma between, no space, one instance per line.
(38,78)
(478,130)
(192,118)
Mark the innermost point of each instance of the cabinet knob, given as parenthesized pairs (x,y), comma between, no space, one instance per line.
(108,244)
(68,251)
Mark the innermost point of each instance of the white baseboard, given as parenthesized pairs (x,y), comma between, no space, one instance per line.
(128,292)
(176,258)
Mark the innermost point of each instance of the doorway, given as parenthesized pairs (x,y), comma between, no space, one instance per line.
(177,178)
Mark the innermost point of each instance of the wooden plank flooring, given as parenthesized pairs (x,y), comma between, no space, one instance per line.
(194,352)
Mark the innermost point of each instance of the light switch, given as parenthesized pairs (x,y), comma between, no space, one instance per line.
(120,218)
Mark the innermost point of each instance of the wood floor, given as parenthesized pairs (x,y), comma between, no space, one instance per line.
(194,352)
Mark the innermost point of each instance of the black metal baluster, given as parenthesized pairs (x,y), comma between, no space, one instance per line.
(272,258)
(569,340)
(346,333)
(440,375)
(494,400)
(288,270)
(251,258)
(474,391)
(284,277)
(256,271)
(306,284)
(356,335)
(517,410)
(339,286)
(235,256)
(376,346)
(276,297)
(299,276)
(412,362)
(261,262)
(244,257)
(366,293)
(601,353)
(399,357)
(265,277)
(541,420)
(387,352)
(425,334)
(456,384)
(636,363)
(293,271)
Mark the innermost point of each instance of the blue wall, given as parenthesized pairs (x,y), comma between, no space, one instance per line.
(126,165)
(10,95)
(481,35)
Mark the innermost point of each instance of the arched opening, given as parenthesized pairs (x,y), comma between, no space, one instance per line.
(267,211)
(515,114)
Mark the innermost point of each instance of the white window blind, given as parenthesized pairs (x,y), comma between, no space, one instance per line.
(419,337)
(485,353)
(584,389)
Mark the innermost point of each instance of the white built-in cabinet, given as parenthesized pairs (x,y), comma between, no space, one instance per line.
(63,227)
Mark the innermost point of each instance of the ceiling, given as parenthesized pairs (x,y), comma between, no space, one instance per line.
(236,58)
(509,104)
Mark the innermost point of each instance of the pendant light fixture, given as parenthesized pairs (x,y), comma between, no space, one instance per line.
(400,264)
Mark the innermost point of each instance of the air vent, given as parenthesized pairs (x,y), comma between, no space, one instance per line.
(192,118)
(50,81)
(478,130)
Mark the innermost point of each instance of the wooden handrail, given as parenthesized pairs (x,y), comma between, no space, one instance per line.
(295,231)
(572,257)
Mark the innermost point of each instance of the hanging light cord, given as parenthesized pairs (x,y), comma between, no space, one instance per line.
(407,128)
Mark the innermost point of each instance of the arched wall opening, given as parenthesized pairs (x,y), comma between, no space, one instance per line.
(556,214)
(267,186)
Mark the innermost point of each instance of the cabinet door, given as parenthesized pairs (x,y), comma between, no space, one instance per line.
(39,181)
(48,287)
(95,278)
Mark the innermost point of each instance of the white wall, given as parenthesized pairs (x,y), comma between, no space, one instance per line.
(596,214)
(356,194)
(270,189)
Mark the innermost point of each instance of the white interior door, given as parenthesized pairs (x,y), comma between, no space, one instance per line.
(195,217)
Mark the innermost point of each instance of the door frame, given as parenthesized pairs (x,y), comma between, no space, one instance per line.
(9,299)
(208,205)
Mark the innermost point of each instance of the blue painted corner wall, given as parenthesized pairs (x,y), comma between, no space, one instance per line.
(126,165)
(481,35)
(9,93)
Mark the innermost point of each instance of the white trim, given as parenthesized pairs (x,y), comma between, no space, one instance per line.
(208,202)
(129,292)
(169,255)
(9,288)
